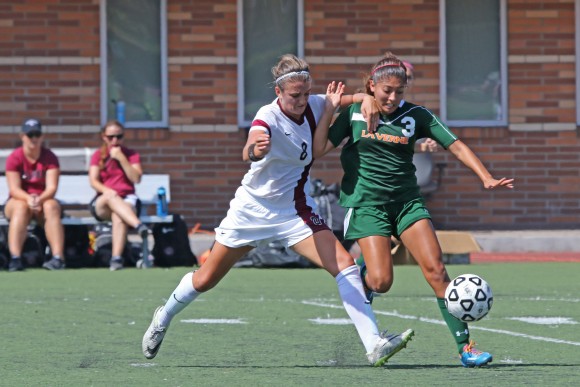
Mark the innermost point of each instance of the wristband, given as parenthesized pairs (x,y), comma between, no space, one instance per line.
(251,154)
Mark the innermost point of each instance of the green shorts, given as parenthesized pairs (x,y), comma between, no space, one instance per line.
(384,220)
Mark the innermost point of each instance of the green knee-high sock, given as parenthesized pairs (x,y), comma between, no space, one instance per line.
(458,328)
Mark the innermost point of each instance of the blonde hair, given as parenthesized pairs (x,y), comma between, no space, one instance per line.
(290,68)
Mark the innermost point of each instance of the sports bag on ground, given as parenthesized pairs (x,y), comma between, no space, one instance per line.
(76,246)
(172,246)
(103,247)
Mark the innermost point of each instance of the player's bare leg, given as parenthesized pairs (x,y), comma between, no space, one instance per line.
(421,241)
(325,249)
(218,264)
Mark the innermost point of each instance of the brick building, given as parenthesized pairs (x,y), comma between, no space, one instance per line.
(51,68)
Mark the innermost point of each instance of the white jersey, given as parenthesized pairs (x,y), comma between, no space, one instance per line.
(273,202)
(281,179)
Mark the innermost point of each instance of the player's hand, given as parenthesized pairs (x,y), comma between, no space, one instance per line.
(116,153)
(429,145)
(334,92)
(503,182)
(34,203)
(370,112)
(109,193)
(263,145)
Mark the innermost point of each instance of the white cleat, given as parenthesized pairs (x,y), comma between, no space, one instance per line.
(153,337)
(389,345)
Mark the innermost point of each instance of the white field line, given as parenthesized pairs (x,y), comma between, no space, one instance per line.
(214,321)
(440,322)
(550,299)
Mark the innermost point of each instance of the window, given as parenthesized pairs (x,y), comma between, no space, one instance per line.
(474,62)
(267,30)
(133,62)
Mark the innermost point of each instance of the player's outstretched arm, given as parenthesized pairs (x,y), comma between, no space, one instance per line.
(467,157)
(320,143)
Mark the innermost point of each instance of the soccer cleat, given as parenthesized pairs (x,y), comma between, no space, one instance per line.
(389,345)
(362,267)
(153,337)
(15,265)
(116,264)
(472,357)
(53,264)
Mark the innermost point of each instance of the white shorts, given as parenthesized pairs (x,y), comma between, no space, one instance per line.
(132,199)
(248,223)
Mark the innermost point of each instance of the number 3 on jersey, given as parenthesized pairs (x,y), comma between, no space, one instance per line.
(409,130)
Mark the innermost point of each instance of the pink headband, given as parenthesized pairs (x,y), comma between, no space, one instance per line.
(385,65)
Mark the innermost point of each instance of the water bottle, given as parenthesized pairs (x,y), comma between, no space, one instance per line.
(161,202)
(120,111)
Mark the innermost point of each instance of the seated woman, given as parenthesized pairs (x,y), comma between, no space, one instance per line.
(32,173)
(114,170)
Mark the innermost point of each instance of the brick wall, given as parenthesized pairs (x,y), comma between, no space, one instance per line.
(50,69)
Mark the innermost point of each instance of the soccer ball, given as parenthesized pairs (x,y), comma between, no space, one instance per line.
(468,297)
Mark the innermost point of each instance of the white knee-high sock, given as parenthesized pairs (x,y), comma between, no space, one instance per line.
(356,305)
(182,296)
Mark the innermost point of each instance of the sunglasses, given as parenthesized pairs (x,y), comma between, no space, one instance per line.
(117,136)
(33,134)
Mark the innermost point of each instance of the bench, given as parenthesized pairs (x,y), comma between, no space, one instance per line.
(74,190)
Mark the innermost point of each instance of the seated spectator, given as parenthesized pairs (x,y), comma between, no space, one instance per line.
(114,170)
(32,173)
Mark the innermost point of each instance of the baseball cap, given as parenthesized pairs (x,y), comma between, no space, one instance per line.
(31,126)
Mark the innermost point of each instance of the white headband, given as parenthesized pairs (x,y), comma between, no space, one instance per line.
(292,73)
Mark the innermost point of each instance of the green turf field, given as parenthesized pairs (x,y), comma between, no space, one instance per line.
(283,327)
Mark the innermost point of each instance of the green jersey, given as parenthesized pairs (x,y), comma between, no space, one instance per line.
(378,167)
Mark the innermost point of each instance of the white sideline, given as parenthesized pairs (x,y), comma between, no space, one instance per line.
(440,322)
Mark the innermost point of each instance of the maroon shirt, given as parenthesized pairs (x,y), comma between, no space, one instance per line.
(112,175)
(32,175)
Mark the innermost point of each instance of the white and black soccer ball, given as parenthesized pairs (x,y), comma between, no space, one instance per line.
(468,297)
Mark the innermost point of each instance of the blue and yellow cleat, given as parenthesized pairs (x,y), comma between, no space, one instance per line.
(362,267)
(472,357)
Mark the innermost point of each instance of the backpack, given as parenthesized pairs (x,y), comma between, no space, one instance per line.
(34,249)
(274,255)
(76,246)
(172,246)
(102,246)
(4,252)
